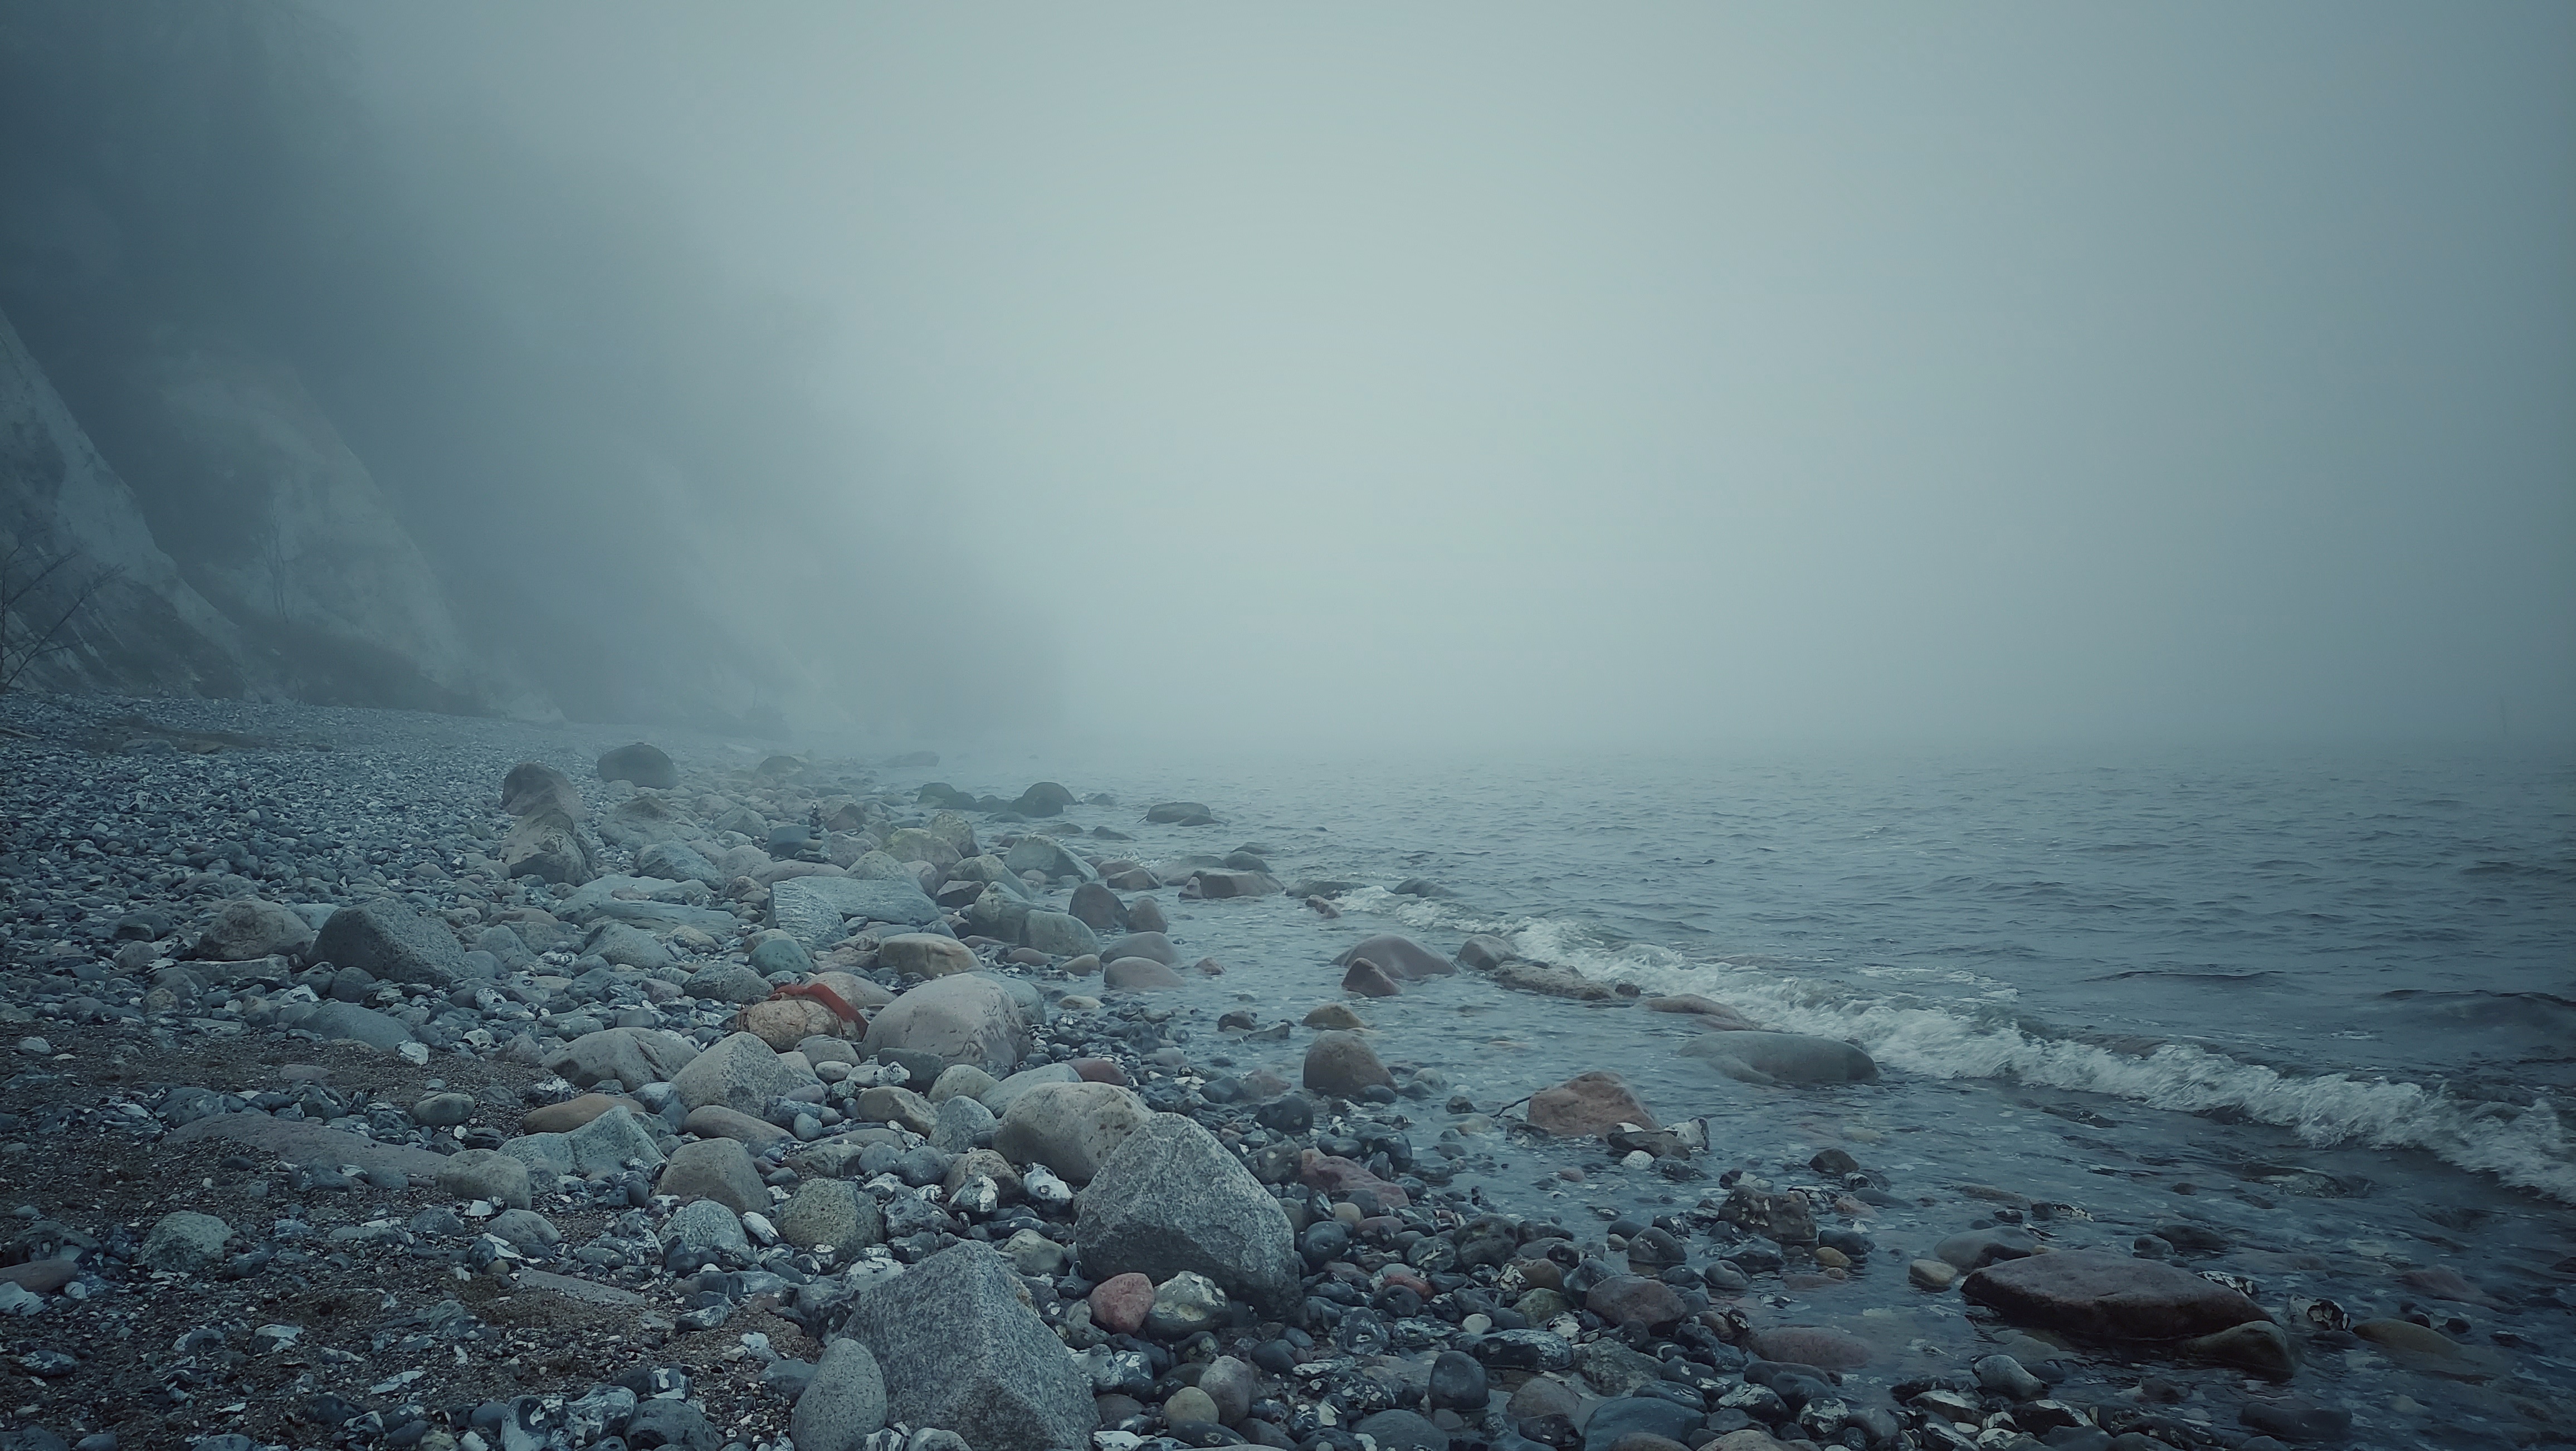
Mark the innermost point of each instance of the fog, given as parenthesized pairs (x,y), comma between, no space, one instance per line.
(1660,375)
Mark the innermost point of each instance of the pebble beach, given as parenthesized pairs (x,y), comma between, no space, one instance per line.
(381,1079)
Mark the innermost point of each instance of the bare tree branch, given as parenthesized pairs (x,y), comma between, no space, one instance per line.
(24,574)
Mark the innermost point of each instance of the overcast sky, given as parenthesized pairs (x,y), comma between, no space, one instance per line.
(1656,374)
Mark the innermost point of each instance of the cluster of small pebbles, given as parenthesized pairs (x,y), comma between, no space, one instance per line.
(508,1095)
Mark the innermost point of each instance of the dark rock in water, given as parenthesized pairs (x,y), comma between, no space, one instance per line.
(1097,907)
(645,765)
(393,943)
(1636,1300)
(1816,1345)
(1978,1248)
(1484,952)
(1633,1415)
(2111,1297)
(1046,798)
(2257,1345)
(1365,979)
(1145,915)
(1770,1058)
(2001,1374)
(1783,1217)
(1587,1104)
(1397,956)
(1152,945)
(1343,1065)
(1179,813)
(2297,1421)
(1555,982)
(1171,1198)
(1218,885)
(1140,975)
(959,1349)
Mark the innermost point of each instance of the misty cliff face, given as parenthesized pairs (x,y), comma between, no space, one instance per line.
(275,521)
(256,556)
(414,420)
(147,631)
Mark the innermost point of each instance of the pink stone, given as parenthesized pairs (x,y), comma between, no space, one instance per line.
(1119,1303)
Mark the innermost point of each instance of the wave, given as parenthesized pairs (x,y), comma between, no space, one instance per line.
(2527,1146)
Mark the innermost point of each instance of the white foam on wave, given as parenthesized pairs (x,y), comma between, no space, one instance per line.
(2527,1147)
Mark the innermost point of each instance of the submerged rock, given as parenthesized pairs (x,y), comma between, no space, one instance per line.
(1588,1104)
(1396,956)
(2110,1297)
(1771,1058)
(1343,1065)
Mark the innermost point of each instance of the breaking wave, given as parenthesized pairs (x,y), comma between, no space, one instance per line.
(2524,1145)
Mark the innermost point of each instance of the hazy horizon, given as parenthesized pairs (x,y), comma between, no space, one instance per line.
(1643,377)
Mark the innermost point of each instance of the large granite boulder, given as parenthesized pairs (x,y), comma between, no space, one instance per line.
(925,954)
(645,765)
(719,1169)
(960,1349)
(627,1057)
(1049,858)
(1058,934)
(249,928)
(844,1404)
(363,1025)
(534,786)
(1071,1128)
(604,1145)
(962,1018)
(834,1212)
(680,862)
(813,909)
(738,1071)
(391,943)
(2109,1296)
(551,847)
(1171,1198)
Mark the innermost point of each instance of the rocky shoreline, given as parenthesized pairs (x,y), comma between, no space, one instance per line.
(455,1084)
